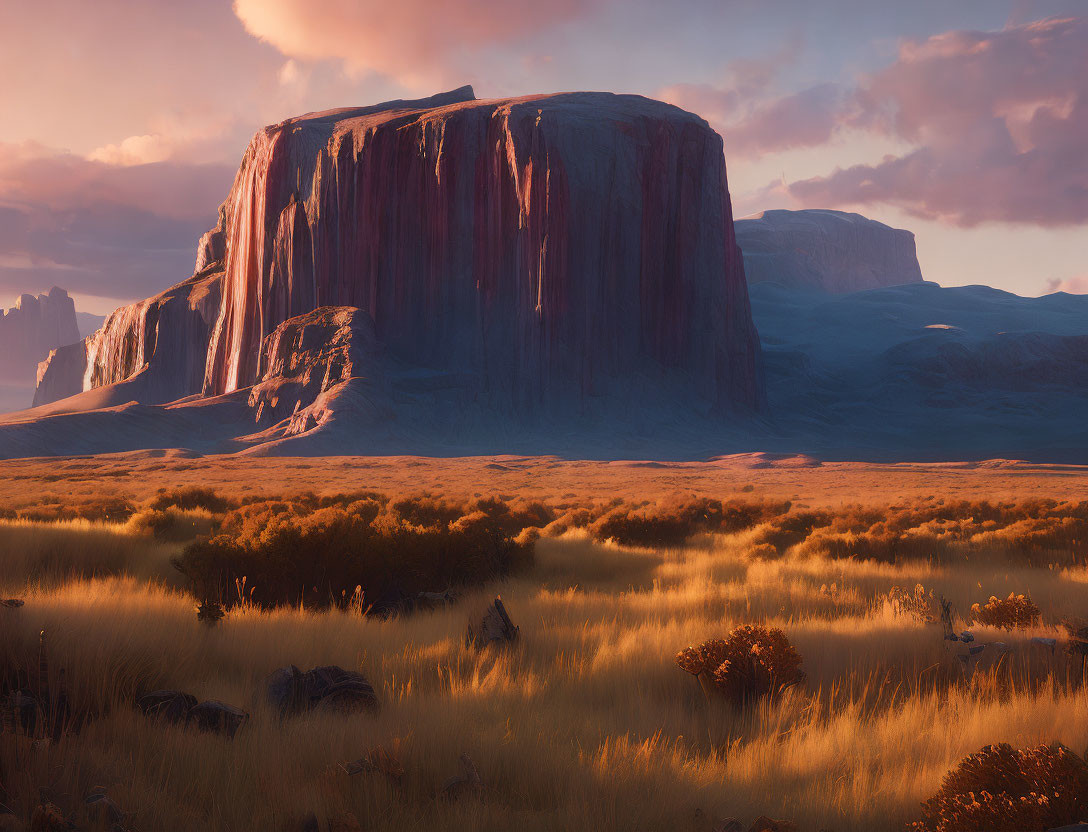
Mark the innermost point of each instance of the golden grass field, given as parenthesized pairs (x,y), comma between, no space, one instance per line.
(586,723)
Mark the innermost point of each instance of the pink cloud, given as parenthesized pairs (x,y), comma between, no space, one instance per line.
(101,229)
(804,119)
(1073,285)
(410,40)
(998,121)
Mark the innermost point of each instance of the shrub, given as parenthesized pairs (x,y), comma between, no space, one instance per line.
(170,524)
(1012,613)
(289,553)
(671,525)
(191,498)
(917,604)
(750,663)
(1002,789)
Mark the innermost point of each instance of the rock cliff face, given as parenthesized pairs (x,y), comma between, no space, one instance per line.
(537,258)
(164,339)
(829,250)
(33,327)
(309,355)
(544,244)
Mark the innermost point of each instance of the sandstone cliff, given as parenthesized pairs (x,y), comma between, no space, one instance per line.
(545,244)
(829,250)
(33,327)
(529,258)
(164,339)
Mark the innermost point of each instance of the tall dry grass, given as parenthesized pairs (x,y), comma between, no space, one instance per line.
(586,724)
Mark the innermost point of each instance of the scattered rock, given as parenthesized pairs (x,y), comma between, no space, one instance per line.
(468,782)
(766,824)
(171,705)
(11,603)
(283,690)
(493,627)
(378,760)
(48,817)
(728,825)
(102,809)
(433,600)
(219,717)
(329,688)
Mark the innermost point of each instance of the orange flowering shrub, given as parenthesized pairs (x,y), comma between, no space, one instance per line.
(1012,613)
(752,662)
(1003,789)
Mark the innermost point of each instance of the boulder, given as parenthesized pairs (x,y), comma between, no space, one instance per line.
(289,691)
(171,705)
(493,627)
(217,717)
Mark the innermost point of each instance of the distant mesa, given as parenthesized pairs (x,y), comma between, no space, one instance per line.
(33,327)
(829,250)
(446,267)
(28,331)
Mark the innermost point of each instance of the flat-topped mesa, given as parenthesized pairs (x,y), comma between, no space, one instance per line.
(546,246)
(830,250)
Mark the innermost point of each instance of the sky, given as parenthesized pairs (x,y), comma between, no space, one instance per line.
(122,122)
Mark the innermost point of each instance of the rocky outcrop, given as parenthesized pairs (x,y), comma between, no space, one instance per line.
(33,327)
(547,246)
(164,338)
(310,354)
(61,373)
(829,250)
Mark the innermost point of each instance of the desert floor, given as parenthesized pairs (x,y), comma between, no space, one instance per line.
(586,722)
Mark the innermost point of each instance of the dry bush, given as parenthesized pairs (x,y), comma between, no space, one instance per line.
(191,498)
(1039,532)
(1016,612)
(672,525)
(171,524)
(52,508)
(290,553)
(425,510)
(1002,789)
(752,662)
(917,604)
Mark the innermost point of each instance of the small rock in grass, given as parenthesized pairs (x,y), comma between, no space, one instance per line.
(171,705)
(378,760)
(466,783)
(218,717)
(766,824)
(728,825)
(493,627)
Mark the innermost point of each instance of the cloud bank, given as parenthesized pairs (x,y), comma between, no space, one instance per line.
(101,229)
(998,123)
